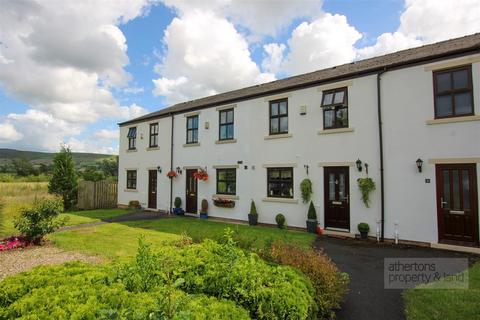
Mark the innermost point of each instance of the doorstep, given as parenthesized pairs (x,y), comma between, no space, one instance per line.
(451,247)
(337,233)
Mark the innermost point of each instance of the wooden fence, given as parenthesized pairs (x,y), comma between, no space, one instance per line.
(97,195)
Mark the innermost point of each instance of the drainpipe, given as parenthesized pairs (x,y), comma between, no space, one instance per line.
(380,137)
(171,164)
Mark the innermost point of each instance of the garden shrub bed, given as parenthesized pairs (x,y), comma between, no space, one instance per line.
(13,243)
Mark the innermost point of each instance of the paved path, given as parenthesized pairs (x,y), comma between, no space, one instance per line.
(363,261)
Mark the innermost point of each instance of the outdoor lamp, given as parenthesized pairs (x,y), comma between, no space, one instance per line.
(419,164)
(359,165)
(179,170)
(159,169)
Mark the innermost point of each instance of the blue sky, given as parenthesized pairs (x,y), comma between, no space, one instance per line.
(74,70)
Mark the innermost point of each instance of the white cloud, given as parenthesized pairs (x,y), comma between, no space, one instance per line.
(327,41)
(106,134)
(8,133)
(200,63)
(274,52)
(134,90)
(428,21)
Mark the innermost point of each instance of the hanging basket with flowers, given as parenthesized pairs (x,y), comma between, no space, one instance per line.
(172,174)
(223,203)
(201,175)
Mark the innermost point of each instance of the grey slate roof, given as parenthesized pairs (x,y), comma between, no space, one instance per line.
(350,70)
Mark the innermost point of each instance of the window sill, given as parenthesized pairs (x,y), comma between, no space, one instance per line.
(197,144)
(130,190)
(453,120)
(280,200)
(131,150)
(339,130)
(226,141)
(152,148)
(226,196)
(278,136)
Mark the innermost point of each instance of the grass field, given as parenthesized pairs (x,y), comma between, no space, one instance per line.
(445,304)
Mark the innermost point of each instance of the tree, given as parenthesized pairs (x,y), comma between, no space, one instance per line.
(92,174)
(64,180)
(23,168)
(109,167)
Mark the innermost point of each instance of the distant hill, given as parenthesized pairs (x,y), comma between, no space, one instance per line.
(6,155)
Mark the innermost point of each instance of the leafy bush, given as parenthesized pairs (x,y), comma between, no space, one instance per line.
(225,271)
(312,213)
(306,190)
(363,227)
(366,186)
(40,219)
(64,180)
(253,209)
(330,284)
(280,220)
(134,204)
(81,291)
(178,202)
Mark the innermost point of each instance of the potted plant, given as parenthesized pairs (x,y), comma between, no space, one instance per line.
(253,215)
(312,219)
(204,209)
(366,186)
(306,190)
(280,220)
(178,207)
(201,175)
(223,203)
(363,228)
(171,174)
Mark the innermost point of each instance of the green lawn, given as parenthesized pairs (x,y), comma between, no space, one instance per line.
(445,304)
(119,240)
(87,216)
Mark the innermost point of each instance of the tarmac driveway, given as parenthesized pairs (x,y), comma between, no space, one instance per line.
(363,261)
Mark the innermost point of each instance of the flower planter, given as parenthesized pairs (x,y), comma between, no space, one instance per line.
(312,226)
(224,203)
(203,215)
(364,235)
(178,211)
(253,219)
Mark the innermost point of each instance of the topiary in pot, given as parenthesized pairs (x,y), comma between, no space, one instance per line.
(280,220)
(253,215)
(312,219)
(178,206)
(204,209)
(363,228)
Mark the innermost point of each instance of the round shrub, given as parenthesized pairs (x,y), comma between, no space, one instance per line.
(178,202)
(280,220)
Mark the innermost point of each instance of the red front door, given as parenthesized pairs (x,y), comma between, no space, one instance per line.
(337,207)
(457,203)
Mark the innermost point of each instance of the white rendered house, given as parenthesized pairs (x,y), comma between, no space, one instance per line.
(260,142)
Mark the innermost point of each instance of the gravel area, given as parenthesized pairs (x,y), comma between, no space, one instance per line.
(16,261)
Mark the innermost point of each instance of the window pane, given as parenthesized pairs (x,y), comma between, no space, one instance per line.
(230,131)
(274,125)
(230,175)
(231,188)
(274,174)
(460,79)
(463,103)
(222,187)
(195,135)
(327,98)
(443,82)
(195,122)
(223,117)
(331,187)
(466,190)
(342,117)
(221,175)
(444,106)
(223,132)
(341,187)
(230,116)
(339,96)
(274,109)
(189,136)
(283,107)
(456,190)
(328,118)
(446,189)
(286,174)
(284,124)
(189,123)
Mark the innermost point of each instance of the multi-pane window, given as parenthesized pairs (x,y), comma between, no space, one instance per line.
(131,179)
(226,124)
(226,181)
(335,108)
(453,92)
(280,182)
(153,135)
(279,116)
(132,138)
(192,129)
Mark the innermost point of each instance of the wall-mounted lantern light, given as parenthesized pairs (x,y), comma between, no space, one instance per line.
(419,164)
(159,169)
(306,168)
(179,170)
(359,165)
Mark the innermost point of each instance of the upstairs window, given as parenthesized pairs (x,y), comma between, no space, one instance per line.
(192,129)
(132,179)
(132,138)
(280,182)
(226,125)
(226,181)
(453,92)
(279,116)
(335,108)
(153,135)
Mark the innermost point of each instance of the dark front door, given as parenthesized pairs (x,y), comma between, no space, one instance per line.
(337,207)
(191,192)
(152,189)
(457,203)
